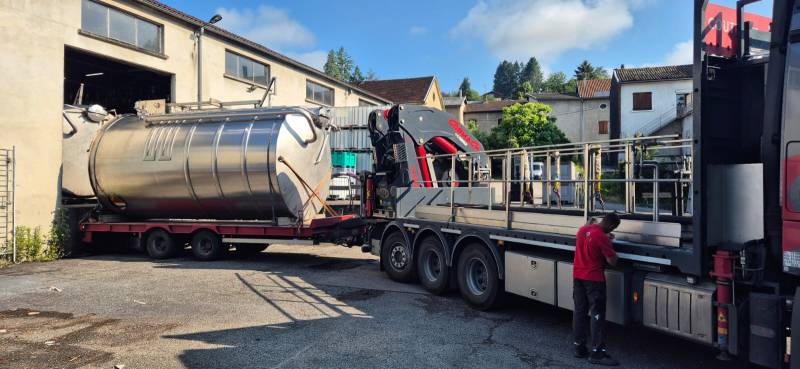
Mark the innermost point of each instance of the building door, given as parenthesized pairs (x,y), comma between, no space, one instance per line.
(113,84)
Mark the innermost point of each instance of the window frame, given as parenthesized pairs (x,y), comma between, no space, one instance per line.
(324,87)
(600,125)
(633,100)
(136,20)
(238,77)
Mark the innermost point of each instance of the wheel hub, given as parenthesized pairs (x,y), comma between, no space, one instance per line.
(477,276)
(398,256)
(433,266)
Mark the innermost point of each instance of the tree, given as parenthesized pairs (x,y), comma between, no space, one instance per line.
(555,82)
(371,76)
(586,70)
(525,89)
(506,79)
(532,73)
(465,89)
(571,87)
(357,76)
(331,67)
(523,125)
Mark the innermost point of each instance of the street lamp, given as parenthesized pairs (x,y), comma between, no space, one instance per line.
(216,18)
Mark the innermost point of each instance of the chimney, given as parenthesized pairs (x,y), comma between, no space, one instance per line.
(622,66)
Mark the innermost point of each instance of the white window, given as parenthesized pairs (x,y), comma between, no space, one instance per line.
(318,93)
(103,21)
(246,68)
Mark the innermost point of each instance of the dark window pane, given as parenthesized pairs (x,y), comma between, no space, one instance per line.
(259,73)
(317,94)
(93,18)
(231,63)
(245,68)
(122,27)
(309,91)
(328,98)
(148,36)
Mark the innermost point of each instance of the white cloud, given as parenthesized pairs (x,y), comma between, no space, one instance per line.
(417,30)
(682,53)
(315,58)
(267,25)
(544,28)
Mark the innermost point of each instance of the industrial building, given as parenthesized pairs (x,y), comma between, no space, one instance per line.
(117,52)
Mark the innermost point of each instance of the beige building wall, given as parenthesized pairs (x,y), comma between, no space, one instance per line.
(34,35)
(485,120)
(434,97)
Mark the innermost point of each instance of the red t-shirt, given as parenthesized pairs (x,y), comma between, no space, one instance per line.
(592,247)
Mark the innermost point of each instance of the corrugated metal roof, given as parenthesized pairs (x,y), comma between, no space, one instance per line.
(210,28)
(544,96)
(666,73)
(594,88)
(490,106)
(454,100)
(401,91)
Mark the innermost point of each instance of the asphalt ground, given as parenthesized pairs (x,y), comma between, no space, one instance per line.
(289,307)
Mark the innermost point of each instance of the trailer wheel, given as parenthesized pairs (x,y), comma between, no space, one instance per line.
(250,250)
(432,269)
(160,244)
(396,258)
(477,277)
(207,245)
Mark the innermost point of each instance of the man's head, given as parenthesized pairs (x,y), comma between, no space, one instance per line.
(610,222)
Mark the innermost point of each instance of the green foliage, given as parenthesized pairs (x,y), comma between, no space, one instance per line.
(524,125)
(32,245)
(532,72)
(555,82)
(586,70)
(506,79)
(489,97)
(466,90)
(525,89)
(357,76)
(340,65)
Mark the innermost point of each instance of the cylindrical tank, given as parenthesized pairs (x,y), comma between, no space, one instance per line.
(238,164)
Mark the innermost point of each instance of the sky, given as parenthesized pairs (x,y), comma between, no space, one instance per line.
(453,39)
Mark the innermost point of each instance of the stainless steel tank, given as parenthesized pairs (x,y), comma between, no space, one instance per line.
(237,164)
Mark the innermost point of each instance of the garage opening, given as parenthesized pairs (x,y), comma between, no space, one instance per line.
(112,84)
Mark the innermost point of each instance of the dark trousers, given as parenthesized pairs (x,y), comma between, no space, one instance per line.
(590,311)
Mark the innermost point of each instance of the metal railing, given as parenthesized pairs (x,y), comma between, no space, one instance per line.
(8,244)
(665,118)
(594,169)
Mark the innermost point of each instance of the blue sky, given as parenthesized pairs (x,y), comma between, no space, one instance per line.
(453,39)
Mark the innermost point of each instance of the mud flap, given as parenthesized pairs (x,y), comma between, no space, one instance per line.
(766,331)
(795,346)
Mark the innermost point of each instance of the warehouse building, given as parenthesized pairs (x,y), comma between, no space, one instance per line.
(116,52)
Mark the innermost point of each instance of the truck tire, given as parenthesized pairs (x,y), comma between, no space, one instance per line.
(396,258)
(249,250)
(432,269)
(160,244)
(207,246)
(477,276)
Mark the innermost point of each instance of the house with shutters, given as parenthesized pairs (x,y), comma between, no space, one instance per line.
(651,101)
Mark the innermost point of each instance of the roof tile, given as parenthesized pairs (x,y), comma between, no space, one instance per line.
(665,73)
(594,88)
(400,91)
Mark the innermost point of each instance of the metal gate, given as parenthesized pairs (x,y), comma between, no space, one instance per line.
(8,245)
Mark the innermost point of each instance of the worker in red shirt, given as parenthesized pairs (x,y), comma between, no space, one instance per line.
(593,251)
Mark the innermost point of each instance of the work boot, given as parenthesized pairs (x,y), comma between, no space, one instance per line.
(581,352)
(599,356)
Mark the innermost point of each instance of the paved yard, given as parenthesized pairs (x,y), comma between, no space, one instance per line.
(290,307)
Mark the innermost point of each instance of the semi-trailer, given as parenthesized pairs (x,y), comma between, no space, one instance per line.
(708,242)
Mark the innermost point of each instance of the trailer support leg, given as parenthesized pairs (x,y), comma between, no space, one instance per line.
(723,272)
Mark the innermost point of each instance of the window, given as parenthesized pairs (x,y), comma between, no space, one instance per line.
(318,93)
(642,101)
(246,68)
(603,106)
(602,127)
(103,21)
(362,102)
